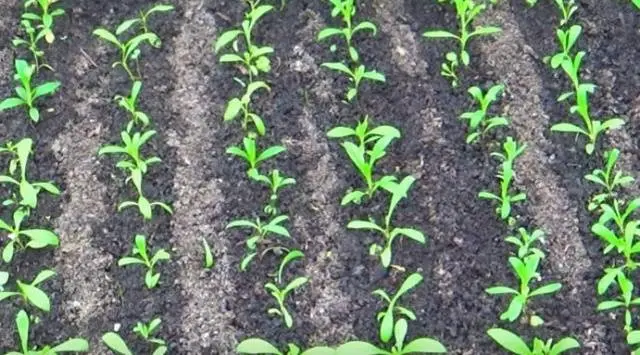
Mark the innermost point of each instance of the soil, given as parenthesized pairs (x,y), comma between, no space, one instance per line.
(185,89)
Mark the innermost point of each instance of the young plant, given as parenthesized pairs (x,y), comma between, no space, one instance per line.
(31,293)
(275,182)
(346,9)
(389,232)
(625,301)
(45,18)
(280,295)
(370,146)
(115,342)
(27,94)
(625,243)
(506,175)
(130,105)
(260,346)
(567,9)
(208,255)
(514,343)
(146,331)
(355,76)
(478,122)
(251,155)
(386,317)
(142,22)
(609,179)
(525,266)
(129,49)
(74,345)
(141,256)
(467,11)
(243,104)
(417,346)
(567,40)
(31,44)
(35,238)
(260,236)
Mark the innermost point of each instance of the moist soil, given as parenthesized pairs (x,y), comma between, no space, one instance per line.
(208,312)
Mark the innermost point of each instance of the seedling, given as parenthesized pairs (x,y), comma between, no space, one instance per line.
(243,104)
(31,293)
(74,345)
(142,22)
(252,57)
(525,267)
(31,44)
(389,232)
(624,301)
(370,147)
(355,76)
(386,318)
(250,154)
(260,346)
(27,95)
(514,343)
(259,236)
(290,257)
(129,49)
(478,122)
(625,243)
(633,337)
(346,9)
(275,182)
(467,10)
(280,296)
(45,18)
(146,331)
(609,179)
(208,255)
(130,105)
(140,256)
(417,346)
(567,9)
(115,342)
(35,238)
(567,40)
(506,175)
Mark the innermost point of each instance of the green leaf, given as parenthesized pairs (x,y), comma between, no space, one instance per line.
(486,30)
(42,277)
(40,238)
(74,345)
(341,132)
(338,67)
(439,34)
(127,260)
(36,296)
(46,89)
(360,348)
(256,346)
(374,75)
(606,305)
(564,345)
(547,289)
(509,341)
(500,290)
(358,224)
(233,108)
(568,128)
(328,32)
(208,255)
(424,345)
(270,152)
(11,103)
(107,36)
(633,337)
(414,234)
(115,343)
(123,27)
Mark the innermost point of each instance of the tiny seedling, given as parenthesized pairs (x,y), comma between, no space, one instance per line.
(260,346)
(31,293)
(115,342)
(386,317)
(567,8)
(31,44)
(346,9)
(608,179)
(147,331)
(129,49)
(625,301)
(417,346)
(355,76)
(253,58)
(27,94)
(129,103)
(506,176)
(625,244)
(243,104)
(525,267)
(208,255)
(45,18)
(250,154)
(36,238)
(280,295)
(259,236)
(370,146)
(389,232)
(142,22)
(140,256)
(514,343)
(478,122)
(74,345)
(567,40)
(275,181)
(467,11)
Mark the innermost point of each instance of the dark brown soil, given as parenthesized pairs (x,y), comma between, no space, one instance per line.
(209,312)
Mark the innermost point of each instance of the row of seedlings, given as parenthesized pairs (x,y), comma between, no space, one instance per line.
(615,224)
(37,23)
(130,38)
(526,259)
(269,233)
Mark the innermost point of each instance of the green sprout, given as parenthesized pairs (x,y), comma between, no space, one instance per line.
(260,346)
(129,49)
(141,256)
(27,95)
(130,105)
(466,10)
(505,199)
(625,243)
(74,345)
(260,236)
(45,18)
(144,331)
(275,181)
(280,295)
(346,9)
(243,104)
(208,255)
(625,301)
(36,238)
(525,266)
(31,293)
(250,154)
(355,76)
(478,122)
(514,343)
(31,44)
(386,318)
(608,179)
(567,8)
(370,146)
(389,232)
(142,22)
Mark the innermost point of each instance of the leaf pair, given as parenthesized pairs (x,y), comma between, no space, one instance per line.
(280,296)
(260,233)
(130,104)
(31,293)
(608,179)
(145,331)
(514,343)
(355,76)
(275,181)
(260,346)
(347,9)
(45,18)
(478,122)
(251,155)
(129,49)
(242,105)
(141,256)
(31,42)
(386,318)
(37,238)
